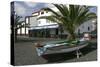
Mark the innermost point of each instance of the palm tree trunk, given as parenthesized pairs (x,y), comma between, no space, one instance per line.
(71,36)
(15,34)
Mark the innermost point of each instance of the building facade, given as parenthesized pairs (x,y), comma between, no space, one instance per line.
(23,31)
(46,28)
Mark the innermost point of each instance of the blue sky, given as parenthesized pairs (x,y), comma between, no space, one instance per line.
(27,8)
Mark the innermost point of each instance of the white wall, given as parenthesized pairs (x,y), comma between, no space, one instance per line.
(27,30)
(35,14)
(84,27)
(33,21)
(18,31)
(23,30)
(44,22)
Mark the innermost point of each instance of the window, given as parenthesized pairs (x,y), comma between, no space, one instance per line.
(88,28)
(42,12)
(78,31)
(17,25)
(39,22)
(27,20)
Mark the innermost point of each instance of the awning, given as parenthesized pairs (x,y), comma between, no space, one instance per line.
(44,27)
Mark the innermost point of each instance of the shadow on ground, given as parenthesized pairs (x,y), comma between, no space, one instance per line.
(58,58)
(25,53)
(21,41)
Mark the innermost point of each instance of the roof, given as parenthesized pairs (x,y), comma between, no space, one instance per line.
(38,11)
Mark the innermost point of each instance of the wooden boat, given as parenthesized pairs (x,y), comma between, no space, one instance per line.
(60,48)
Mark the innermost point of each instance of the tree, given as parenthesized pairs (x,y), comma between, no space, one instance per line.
(71,17)
(17,25)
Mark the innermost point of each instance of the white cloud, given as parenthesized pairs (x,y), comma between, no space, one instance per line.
(49,5)
(31,4)
(20,9)
(27,8)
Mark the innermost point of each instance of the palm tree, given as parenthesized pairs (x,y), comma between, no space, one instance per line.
(71,17)
(17,25)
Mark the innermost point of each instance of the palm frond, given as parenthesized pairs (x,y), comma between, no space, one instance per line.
(71,16)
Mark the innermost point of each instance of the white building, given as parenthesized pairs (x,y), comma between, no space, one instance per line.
(24,30)
(46,28)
